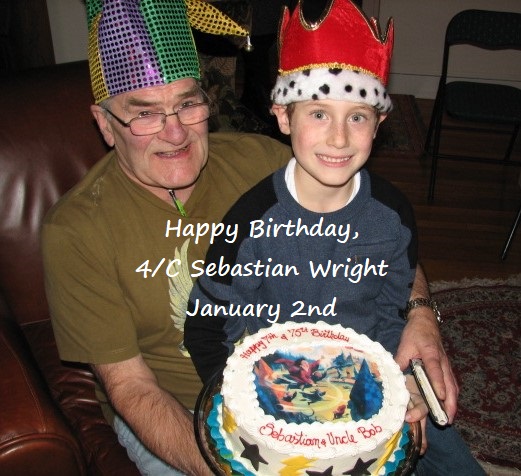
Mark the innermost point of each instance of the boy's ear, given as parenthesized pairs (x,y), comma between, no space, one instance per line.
(381,118)
(281,112)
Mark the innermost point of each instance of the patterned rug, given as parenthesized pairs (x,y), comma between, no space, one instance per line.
(403,132)
(482,335)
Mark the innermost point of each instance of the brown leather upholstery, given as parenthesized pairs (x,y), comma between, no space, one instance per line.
(34,436)
(50,420)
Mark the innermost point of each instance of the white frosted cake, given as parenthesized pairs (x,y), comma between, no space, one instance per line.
(310,399)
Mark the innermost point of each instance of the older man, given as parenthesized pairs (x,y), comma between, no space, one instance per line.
(121,248)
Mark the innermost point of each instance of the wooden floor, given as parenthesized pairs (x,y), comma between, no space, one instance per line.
(462,233)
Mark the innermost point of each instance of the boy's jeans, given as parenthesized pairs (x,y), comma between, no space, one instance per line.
(147,463)
(447,455)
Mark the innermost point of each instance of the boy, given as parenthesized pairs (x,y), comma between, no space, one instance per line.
(321,239)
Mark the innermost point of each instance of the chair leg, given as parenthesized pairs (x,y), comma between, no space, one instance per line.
(438,104)
(435,152)
(512,142)
(434,115)
(511,234)
(432,180)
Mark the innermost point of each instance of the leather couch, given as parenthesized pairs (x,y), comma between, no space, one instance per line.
(50,420)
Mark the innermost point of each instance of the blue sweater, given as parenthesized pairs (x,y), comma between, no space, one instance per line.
(354,267)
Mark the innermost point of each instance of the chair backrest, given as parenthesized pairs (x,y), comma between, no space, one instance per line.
(485,29)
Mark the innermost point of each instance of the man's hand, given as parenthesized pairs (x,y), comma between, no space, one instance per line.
(421,339)
(163,425)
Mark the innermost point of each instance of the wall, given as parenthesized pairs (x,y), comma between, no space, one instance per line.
(419,34)
(68,20)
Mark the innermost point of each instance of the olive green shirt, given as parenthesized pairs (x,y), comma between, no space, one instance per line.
(117,274)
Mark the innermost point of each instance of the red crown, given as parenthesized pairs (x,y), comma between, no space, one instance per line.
(342,38)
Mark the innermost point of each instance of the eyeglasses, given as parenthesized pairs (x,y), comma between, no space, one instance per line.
(148,123)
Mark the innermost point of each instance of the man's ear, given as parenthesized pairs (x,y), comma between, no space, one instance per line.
(281,112)
(103,123)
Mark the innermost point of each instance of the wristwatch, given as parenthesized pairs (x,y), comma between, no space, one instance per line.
(420,302)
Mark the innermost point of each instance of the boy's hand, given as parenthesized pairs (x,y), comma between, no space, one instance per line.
(417,409)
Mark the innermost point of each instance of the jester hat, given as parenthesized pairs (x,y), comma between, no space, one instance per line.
(135,44)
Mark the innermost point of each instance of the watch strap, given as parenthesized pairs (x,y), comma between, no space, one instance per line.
(422,302)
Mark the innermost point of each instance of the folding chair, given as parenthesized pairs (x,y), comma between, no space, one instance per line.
(511,234)
(472,101)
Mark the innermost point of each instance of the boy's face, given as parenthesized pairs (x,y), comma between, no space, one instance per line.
(331,141)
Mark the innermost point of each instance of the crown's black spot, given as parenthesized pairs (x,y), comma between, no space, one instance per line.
(314,97)
(292,84)
(299,92)
(324,89)
(363,93)
(356,71)
(306,72)
(385,94)
(376,92)
(285,92)
(335,71)
(348,88)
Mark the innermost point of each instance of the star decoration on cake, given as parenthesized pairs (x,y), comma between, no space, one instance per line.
(252,453)
(360,468)
(327,472)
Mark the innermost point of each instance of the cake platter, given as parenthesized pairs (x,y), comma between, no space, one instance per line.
(221,467)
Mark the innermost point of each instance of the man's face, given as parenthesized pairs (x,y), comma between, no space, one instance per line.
(170,159)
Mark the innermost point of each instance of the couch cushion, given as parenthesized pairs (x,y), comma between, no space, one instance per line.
(45,148)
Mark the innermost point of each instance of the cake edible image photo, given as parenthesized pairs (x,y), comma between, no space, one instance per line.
(299,389)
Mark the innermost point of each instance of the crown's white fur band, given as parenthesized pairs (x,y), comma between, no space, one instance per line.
(324,83)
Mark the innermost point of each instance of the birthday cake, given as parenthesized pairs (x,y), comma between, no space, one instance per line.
(310,399)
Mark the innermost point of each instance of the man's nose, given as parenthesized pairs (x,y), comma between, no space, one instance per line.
(173,130)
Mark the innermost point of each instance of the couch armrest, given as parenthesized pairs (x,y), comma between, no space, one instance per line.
(72,387)
(34,438)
